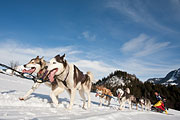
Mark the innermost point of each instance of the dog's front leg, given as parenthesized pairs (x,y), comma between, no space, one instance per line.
(136,106)
(89,99)
(73,92)
(122,103)
(34,87)
(142,107)
(54,94)
(100,100)
(130,105)
(81,93)
(109,100)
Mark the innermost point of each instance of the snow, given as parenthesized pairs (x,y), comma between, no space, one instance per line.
(173,84)
(115,81)
(39,106)
(171,80)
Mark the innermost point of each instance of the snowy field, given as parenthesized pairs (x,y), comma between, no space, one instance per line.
(39,106)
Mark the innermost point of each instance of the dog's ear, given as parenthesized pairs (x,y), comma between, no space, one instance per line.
(37,57)
(42,59)
(63,56)
(58,58)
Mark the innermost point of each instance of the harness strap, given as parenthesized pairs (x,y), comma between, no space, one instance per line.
(64,81)
(11,68)
(35,79)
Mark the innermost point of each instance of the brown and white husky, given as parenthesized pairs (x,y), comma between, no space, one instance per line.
(68,76)
(37,67)
(105,93)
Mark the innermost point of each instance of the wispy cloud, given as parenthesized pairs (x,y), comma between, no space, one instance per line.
(143,45)
(135,43)
(139,59)
(146,69)
(99,68)
(138,12)
(15,51)
(89,36)
(175,4)
(11,50)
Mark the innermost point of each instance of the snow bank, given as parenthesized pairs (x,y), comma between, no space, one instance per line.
(39,106)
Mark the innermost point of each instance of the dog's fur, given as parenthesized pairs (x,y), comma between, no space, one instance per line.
(146,103)
(37,66)
(68,76)
(105,93)
(124,96)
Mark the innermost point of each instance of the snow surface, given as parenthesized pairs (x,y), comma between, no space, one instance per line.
(39,106)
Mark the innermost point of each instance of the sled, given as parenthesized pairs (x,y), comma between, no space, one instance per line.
(159,107)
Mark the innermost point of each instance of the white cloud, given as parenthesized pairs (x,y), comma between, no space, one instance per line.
(99,68)
(88,36)
(145,70)
(138,12)
(143,45)
(152,47)
(12,50)
(135,43)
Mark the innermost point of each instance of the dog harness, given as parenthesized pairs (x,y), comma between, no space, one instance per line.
(63,81)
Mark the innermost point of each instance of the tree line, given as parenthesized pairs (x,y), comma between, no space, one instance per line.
(142,89)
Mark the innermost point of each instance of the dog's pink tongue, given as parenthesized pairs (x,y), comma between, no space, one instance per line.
(51,75)
(119,95)
(29,71)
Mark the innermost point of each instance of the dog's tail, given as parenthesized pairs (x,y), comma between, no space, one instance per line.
(91,76)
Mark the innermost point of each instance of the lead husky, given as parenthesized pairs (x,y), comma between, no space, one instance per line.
(68,76)
(37,67)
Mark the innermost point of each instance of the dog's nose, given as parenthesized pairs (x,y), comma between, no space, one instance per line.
(46,67)
(24,65)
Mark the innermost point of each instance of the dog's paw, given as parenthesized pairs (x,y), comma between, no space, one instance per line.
(21,99)
(84,108)
(69,108)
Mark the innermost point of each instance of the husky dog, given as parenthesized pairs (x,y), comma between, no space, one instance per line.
(68,76)
(105,93)
(146,103)
(124,96)
(37,67)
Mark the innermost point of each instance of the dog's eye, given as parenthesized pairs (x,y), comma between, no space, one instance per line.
(54,62)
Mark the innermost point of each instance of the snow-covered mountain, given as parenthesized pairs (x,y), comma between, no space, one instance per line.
(172,78)
(39,106)
(116,79)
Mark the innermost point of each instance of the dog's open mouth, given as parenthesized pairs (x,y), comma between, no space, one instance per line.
(30,71)
(52,74)
(97,94)
(119,95)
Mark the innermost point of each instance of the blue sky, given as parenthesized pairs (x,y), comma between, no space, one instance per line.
(139,36)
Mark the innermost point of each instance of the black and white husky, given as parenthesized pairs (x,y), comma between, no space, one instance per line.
(68,76)
(36,66)
(145,104)
(124,96)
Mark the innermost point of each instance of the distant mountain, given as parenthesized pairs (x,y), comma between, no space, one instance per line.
(115,80)
(172,78)
(122,79)
(118,78)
